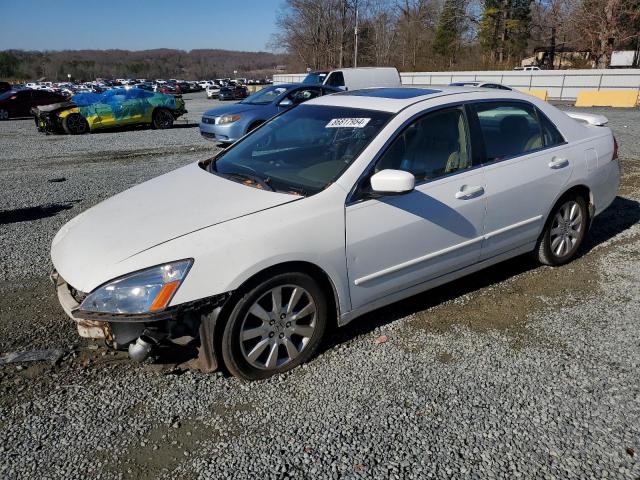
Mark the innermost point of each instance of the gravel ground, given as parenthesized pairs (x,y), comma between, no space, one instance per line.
(516,371)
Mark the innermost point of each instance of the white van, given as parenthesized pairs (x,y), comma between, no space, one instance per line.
(367,77)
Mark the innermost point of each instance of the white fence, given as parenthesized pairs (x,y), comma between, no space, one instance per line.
(560,84)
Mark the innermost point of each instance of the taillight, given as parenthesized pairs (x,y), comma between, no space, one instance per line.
(615,149)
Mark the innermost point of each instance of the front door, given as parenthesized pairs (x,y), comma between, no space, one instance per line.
(395,242)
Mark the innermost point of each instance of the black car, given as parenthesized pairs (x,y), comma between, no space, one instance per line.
(227,93)
(18,103)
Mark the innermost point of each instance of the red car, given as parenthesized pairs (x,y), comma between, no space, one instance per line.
(169,89)
(18,103)
(240,91)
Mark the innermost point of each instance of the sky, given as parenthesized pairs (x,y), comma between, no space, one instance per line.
(136,25)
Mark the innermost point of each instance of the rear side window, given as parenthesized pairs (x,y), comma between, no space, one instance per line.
(508,129)
(336,79)
(550,133)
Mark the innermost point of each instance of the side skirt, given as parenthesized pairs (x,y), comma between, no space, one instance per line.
(435,282)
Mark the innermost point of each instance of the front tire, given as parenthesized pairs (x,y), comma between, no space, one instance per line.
(75,124)
(4,114)
(275,326)
(162,119)
(564,232)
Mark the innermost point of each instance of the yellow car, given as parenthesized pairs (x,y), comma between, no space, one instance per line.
(87,112)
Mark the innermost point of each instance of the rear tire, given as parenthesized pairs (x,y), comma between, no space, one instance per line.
(564,231)
(75,124)
(162,119)
(275,326)
(4,114)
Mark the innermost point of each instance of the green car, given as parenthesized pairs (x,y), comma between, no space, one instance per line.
(87,112)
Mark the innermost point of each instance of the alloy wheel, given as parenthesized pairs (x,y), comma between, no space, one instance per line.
(566,228)
(4,114)
(76,124)
(163,119)
(278,327)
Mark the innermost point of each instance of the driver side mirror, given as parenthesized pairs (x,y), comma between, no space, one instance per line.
(285,102)
(392,182)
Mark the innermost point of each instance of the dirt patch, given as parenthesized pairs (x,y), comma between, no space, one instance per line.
(166,446)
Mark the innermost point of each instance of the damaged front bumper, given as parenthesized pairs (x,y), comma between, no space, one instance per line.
(179,325)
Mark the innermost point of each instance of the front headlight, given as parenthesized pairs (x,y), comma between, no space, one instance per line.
(145,291)
(227,119)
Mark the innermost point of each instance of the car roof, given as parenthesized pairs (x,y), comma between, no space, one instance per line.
(387,99)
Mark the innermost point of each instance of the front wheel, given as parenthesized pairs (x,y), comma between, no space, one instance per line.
(564,232)
(162,119)
(275,326)
(75,124)
(4,114)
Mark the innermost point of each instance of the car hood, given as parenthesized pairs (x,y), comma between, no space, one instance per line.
(231,109)
(86,251)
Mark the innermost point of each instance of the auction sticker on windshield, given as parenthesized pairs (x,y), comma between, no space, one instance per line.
(348,123)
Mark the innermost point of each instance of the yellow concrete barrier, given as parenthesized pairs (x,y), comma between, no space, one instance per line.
(541,94)
(255,88)
(607,98)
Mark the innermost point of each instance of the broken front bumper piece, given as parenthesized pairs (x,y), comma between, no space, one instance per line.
(179,325)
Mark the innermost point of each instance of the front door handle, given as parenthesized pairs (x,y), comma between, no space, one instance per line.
(465,193)
(558,163)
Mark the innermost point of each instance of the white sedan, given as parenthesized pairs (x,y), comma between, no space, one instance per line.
(331,209)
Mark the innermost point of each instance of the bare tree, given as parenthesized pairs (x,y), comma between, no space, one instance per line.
(603,24)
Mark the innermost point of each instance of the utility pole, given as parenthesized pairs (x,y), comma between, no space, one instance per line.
(552,53)
(355,50)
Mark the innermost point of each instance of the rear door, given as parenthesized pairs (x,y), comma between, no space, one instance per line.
(526,164)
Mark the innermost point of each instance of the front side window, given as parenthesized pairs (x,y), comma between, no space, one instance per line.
(508,129)
(432,146)
(301,151)
(303,94)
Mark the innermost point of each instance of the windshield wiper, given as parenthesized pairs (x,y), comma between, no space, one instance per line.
(265,183)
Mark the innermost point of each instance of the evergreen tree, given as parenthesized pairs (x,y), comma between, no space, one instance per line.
(450,29)
(505,29)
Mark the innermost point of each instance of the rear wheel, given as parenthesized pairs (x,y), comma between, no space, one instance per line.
(4,114)
(564,232)
(275,326)
(75,124)
(162,119)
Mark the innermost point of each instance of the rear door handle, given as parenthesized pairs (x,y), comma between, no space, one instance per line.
(558,163)
(465,193)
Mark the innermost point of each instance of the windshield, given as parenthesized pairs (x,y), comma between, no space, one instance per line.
(264,96)
(314,78)
(303,150)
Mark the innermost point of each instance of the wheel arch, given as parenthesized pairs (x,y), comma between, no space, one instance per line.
(311,269)
(253,125)
(580,189)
